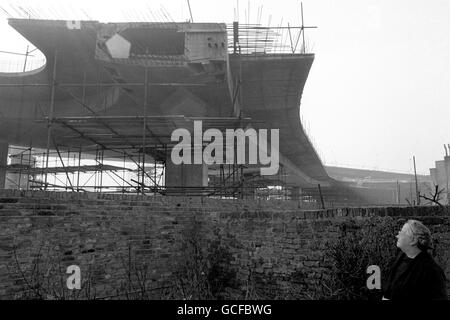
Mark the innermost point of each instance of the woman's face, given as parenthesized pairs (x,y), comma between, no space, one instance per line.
(404,239)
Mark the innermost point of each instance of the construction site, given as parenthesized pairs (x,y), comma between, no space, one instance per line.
(87,161)
(99,114)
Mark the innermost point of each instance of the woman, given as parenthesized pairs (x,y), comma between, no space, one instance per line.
(414,274)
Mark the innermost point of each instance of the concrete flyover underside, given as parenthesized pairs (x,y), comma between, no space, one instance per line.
(272,87)
(86,76)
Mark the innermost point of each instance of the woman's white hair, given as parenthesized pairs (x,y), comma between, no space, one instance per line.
(419,231)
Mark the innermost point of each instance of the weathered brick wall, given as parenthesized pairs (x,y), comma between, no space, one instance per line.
(124,242)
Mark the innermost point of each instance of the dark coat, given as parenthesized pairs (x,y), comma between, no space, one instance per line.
(420,278)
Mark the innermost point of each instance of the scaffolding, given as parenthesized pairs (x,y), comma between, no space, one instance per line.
(127,154)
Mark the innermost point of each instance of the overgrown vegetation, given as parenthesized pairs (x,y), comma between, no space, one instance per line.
(137,282)
(205,270)
(434,196)
(371,242)
(45,278)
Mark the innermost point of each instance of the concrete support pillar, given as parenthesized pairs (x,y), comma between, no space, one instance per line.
(4,146)
(296,193)
(181,178)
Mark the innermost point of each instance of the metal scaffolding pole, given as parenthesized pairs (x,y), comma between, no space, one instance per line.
(417,185)
(64,167)
(29,167)
(144,127)
(96,171)
(79,168)
(123,173)
(155,168)
(50,115)
(104,146)
(20,170)
(101,167)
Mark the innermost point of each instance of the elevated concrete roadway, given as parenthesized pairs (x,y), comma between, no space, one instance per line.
(100,71)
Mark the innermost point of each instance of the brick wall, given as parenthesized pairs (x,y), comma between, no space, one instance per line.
(123,243)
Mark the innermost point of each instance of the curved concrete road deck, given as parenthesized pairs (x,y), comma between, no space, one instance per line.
(272,87)
(271,90)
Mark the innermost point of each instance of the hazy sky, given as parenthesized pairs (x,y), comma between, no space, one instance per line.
(379,89)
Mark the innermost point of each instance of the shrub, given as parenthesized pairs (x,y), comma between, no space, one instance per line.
(371,242)
(360,245)
(204,270)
